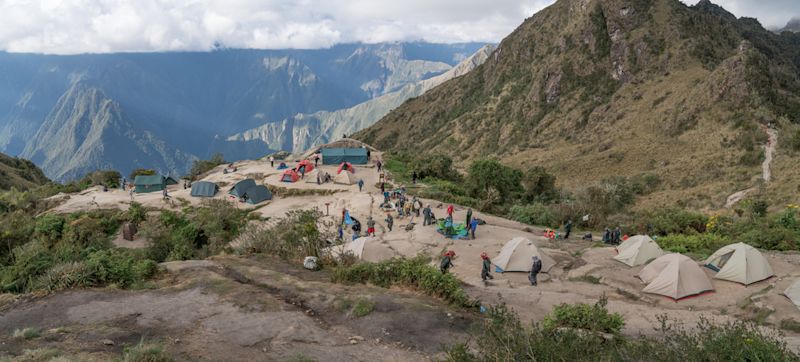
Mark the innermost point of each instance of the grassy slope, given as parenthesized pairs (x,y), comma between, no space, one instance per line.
(20,174)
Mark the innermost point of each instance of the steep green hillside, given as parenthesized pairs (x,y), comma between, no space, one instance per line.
(20,174)
(597,88)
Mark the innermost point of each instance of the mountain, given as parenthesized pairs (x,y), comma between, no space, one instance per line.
(304,131)
(793,25)
(186,100)
(593,89)
(19,173)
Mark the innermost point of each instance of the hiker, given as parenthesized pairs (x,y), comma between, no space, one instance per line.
(369,154)
(417,205)
(472,227)
(450,210)
(360,184)
(567,229)
(383,188)
(389,221)
(535,269)
(318,178)
(469,217)
(124,183)
(316,160)
(607,236)
(271,161)
(552,235)
(370,226)
(427,213)
(617,235)
(302,171)
(131,191)
(487,263)
(341,232)
(344,214)
(447,261)
(414,178)
(407,208)
(356,229)
(386,197)
(379,164)
(164,194)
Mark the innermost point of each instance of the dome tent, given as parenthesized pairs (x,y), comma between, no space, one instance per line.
(516,256)
(346,166)
(739,263)
(676,276)
(240,187)
(345,178)
(638,250)
(290,176)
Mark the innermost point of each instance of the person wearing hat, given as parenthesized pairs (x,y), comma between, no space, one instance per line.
(487,263)
(535,269)
(447,261)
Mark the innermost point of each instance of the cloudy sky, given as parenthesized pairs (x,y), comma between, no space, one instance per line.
(99,26)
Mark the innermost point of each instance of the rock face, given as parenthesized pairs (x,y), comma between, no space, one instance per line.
(304,131)
(598,88)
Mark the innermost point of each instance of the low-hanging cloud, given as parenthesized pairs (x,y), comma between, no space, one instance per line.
(102,26)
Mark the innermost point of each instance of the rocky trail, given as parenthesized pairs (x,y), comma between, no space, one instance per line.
(766,170)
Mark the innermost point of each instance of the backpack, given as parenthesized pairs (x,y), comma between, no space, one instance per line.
(445,263)
(537,266)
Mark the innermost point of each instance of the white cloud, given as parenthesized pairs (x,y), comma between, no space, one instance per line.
(77,26)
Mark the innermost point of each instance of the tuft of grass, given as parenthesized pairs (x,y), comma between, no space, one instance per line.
(300,358)
(26,333)
(39,354)
(146,352)
(363,308)
(591,279)
(790,325)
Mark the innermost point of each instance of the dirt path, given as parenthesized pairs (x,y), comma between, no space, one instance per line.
(766,171)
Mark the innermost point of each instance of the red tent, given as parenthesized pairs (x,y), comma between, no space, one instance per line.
(346,166)
(308,165)
(290,176)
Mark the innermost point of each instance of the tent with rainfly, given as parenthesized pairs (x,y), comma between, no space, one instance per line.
(739,263)
(305,165)
(638,250)
(345,178)
(152,183)
(204,189)
(257,194)
(517,256)
(676,276)
(240,187)
(290,176)
(332,156)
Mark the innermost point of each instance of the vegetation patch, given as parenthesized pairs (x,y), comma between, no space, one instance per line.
(146,352)
(26,333)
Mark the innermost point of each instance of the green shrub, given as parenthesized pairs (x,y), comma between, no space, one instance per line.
(294,236)
(200,167)
(141,171)
(436,165)
(674,220)
(534,214)
(486,175)
(118,266)
(30,260)
(539,185)
(701,244)
(109,178)
(794,140)
(584,316)
(63,276)
(136,213)
(414,273)
(363,308)
(146,352)
(26,333)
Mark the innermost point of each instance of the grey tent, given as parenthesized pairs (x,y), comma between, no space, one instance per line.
(204,189)
(257,194)
(150,183)
(240,187)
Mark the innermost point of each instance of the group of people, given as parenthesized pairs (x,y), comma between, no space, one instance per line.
(486,264)
(612,236)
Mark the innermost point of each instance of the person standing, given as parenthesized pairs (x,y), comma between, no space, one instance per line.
(450,210)
(426,212)
(389,221)
(316,160)
(383,187)
(472,227)
(535,269)
(360,184)
(469,217)
(271,161)
(341,232)
(567,229)
(617,235)
(447,261)
(370,226)
(487,264)
(414,177)
(379,164)
(607,236)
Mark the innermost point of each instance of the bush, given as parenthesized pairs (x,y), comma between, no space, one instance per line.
(294,236)
(26,333)
(486,175)
(701,244)
(49,228)
(539,185)
(674,220)
(437,166)
(109,178)
(534,214)
(794,141)
(118,266)
(145,352)
(141,171)
(584,316)
(200,167)
(414,273)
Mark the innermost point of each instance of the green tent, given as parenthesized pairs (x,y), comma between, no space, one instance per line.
(240,187)
(257,194)
(204,189)
(335,156)
(149,183)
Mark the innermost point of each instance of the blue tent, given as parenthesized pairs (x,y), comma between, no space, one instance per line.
(335,156)
(257,194)
(242,186)
(204,189)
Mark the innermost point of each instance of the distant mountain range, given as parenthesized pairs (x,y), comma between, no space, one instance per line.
(793,25)
(74,114)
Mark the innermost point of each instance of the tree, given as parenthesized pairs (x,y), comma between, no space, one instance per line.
(487,174)
(436,165)
(142,171)
(539,185)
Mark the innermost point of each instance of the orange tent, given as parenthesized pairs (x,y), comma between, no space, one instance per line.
(290,176)
(346,166)
(306,164)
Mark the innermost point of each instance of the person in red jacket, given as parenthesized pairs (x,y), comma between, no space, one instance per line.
(450,210)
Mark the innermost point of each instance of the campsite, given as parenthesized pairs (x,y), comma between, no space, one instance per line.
(640,280)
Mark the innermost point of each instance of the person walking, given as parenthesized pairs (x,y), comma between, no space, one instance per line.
(407,209)
(469,217)
(447,261)
(341,232)
(389,221)
(370,226)
(131,192)
(360,184)
(472,227)
(426,212)
(487,264)
(417,205)
(535,269)
(567,229)
(316,160)
(383,187)
(356,229)
(379,164)
(271,161)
